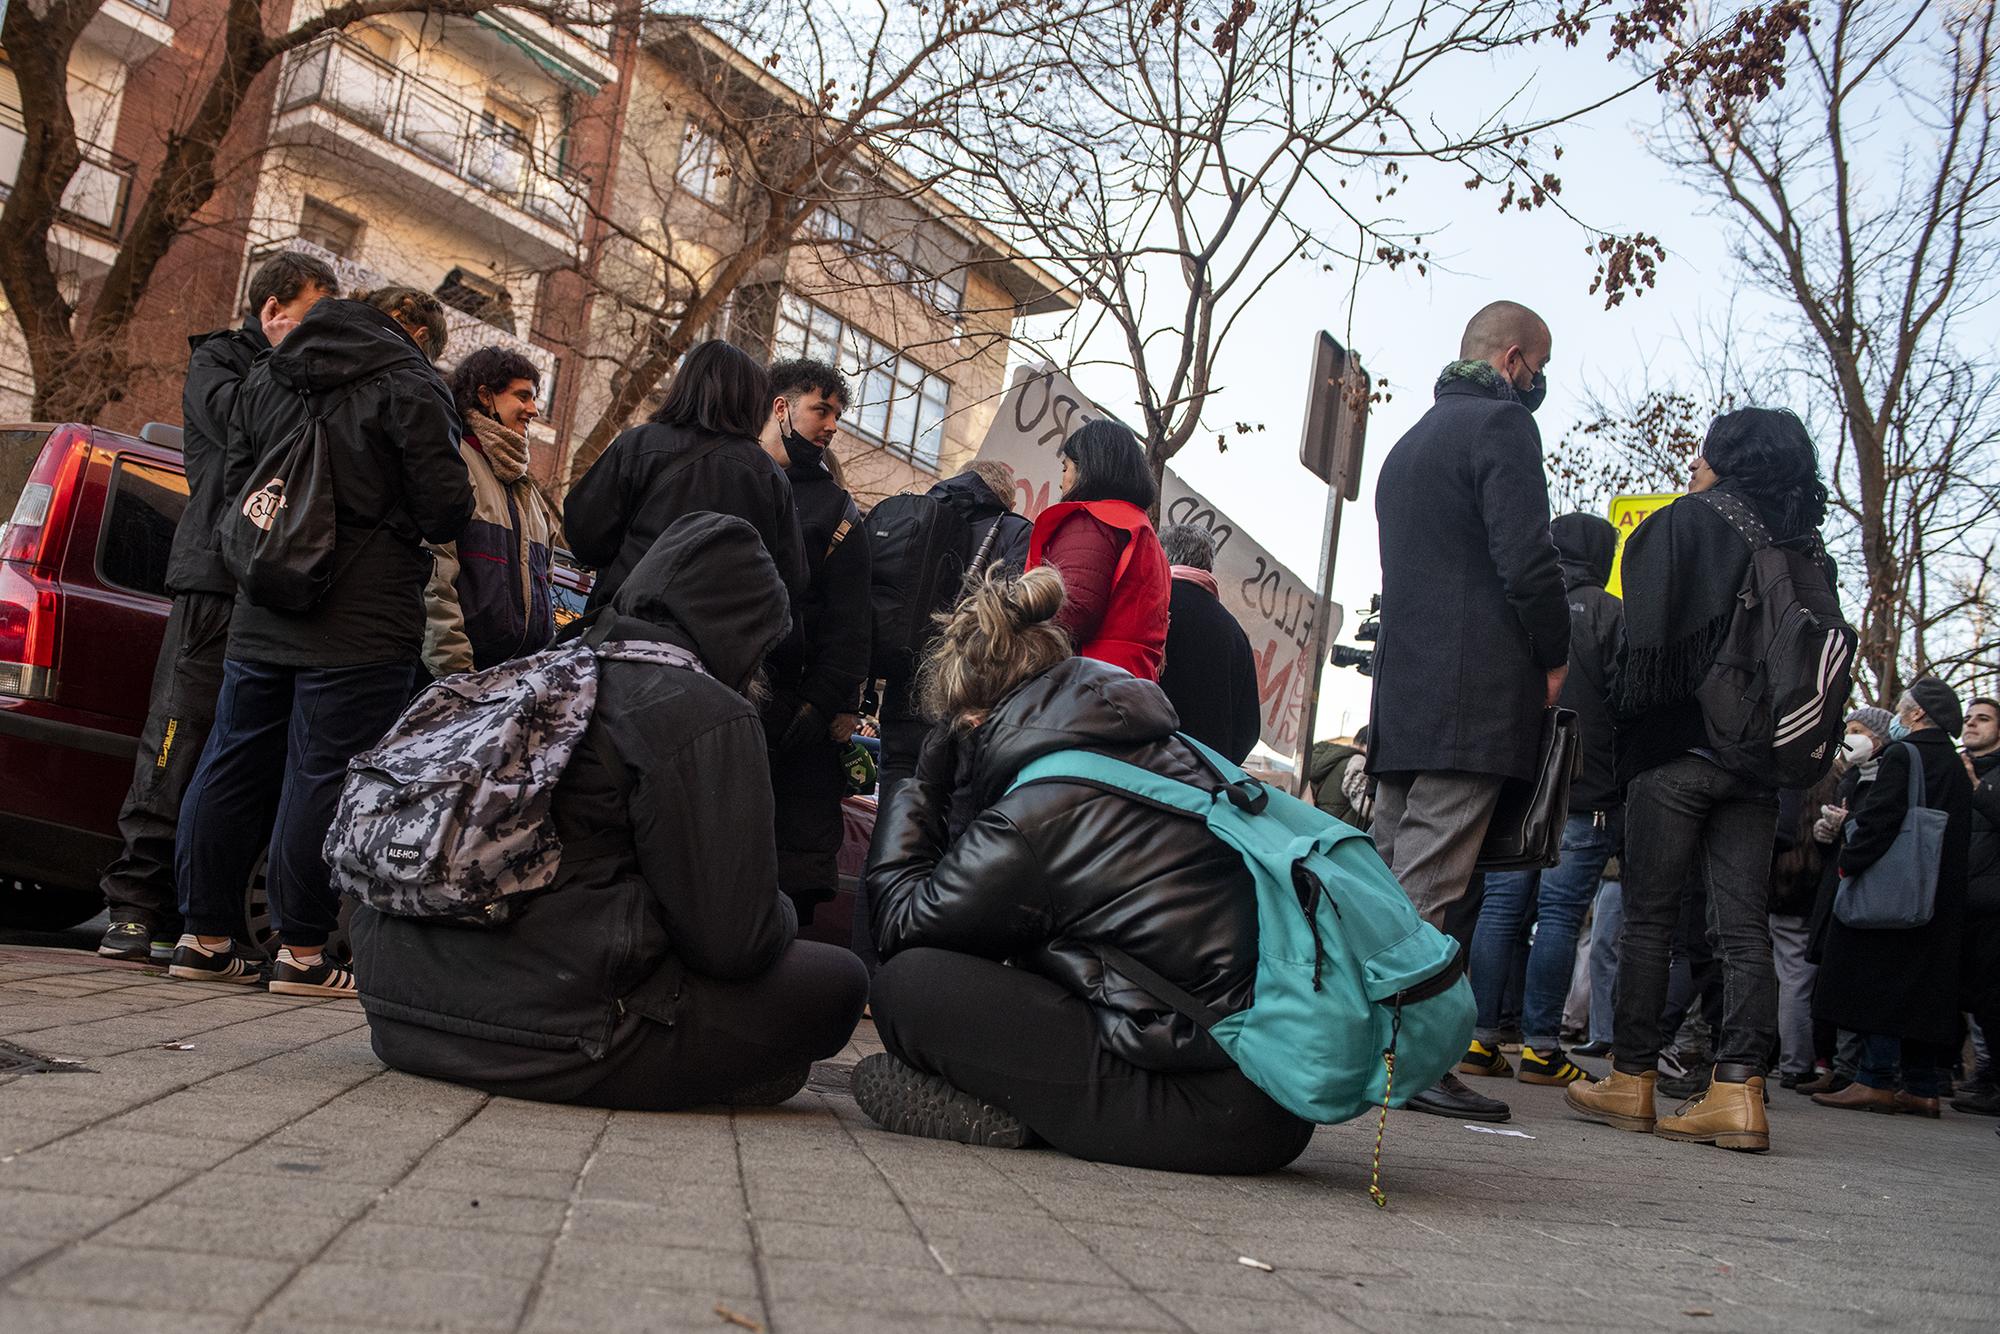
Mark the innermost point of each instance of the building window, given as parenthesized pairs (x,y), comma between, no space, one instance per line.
(897,403)
(703,170)
(329,229)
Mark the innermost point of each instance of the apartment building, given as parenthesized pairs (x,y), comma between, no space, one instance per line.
(913,300)
(497,160)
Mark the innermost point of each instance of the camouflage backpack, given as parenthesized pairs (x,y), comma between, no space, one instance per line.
(449,816)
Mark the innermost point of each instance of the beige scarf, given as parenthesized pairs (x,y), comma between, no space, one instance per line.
(506,451)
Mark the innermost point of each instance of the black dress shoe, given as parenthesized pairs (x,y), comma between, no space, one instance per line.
(1450,1097)
(1598,1049)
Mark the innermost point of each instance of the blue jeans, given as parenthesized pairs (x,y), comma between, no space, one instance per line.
(1604,957)
(1559,895)
(273,767)
(1883,1056)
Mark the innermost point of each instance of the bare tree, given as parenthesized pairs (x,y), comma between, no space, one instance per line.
(1184,158)
(79,349)
(1863,198)
(829,140)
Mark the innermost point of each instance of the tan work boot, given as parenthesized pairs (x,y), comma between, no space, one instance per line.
(1730,1116)
(1619,1100)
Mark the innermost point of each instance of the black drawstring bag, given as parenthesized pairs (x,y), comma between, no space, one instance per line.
(277,538)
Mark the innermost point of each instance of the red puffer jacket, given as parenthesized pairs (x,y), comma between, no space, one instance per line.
(1117,606)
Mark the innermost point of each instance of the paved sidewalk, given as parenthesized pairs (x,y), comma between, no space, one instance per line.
(238,1161)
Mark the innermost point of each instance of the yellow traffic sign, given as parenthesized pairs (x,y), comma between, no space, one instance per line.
(1626,514)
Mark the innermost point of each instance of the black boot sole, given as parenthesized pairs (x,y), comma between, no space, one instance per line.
(909,1102)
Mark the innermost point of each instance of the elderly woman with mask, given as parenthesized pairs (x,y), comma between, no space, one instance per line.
(1898,989)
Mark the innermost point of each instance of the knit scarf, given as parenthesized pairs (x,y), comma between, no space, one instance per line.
(1480,374)
(1200,578)
(506,451)
(1680,596)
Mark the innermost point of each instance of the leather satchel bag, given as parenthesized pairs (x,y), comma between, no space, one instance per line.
(1899,891)
(1527,828)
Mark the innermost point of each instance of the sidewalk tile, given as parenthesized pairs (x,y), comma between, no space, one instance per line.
(612,1308)
(329,1294)
(23,1315)
(682,1269)
(1025,1300)
(294,1230)
(169,1280)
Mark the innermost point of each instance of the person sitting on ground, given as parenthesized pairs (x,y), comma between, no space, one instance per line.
(1211,670)
(660,970)
(489,597)
(1001,1017)
(699,451)
(1101,540)
(1898,988)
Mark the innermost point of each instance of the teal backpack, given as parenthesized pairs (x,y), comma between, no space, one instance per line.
(1359,1002)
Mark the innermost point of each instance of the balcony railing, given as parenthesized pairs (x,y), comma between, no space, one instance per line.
(344,78)
(157,8)
(466,332)
(97,196)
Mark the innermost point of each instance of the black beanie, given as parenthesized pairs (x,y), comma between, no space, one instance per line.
(1940,703)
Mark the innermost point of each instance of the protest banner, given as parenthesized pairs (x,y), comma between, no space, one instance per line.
(1626,514)
(1273,604)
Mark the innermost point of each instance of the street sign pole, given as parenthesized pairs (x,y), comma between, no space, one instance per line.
(1336,413)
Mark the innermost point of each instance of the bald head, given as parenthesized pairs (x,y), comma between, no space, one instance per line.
(1500,326)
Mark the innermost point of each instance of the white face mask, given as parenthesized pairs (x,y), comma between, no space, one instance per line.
(1858,747)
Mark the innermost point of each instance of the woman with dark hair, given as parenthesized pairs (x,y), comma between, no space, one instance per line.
(999,914)
(699,451)
(1685,813)
(1100,539)
(489,598)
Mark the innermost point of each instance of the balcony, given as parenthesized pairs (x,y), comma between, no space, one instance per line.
(94,205)
(342,99)
(130,29)
(466,332)
(575,51)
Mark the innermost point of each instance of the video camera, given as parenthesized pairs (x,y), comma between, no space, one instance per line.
(1370,630)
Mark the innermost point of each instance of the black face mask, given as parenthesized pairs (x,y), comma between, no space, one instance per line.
(1531,397)
(803,453)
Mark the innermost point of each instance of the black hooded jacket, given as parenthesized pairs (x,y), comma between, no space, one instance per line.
(398,482)
(826,663)
(652,475)
(1983,884)
(1042,876)
(217,363)
(1585,545)
(689,881)
(975,502)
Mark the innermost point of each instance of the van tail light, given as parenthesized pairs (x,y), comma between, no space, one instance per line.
(39,527)
(31,548)
(28,609)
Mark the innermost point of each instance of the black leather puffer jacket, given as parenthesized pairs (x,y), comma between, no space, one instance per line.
(1043,876)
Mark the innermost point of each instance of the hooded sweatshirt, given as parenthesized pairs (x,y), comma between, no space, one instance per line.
(398,481)
(1585,546)
(217,363)
(670,866)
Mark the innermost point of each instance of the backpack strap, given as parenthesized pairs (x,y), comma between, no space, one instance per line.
(979,557)
(1739,515)
(1182,1001)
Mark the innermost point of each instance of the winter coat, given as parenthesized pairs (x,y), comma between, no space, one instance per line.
(1586,545)
(1682,571)
(1902,982)
(975,502)
(1983,858)
(1850,791)
(826,663)
(1042,876)
(398,481)
(1324,771)
(489,598)
(1211,672)
(669,868)
(217,363)
(1116,578)
(1799,863)
(1473,611)
(654,474)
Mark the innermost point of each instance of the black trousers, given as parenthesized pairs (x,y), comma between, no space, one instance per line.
(273,770)
(807,784)
(725,1036)
(1025,1044)
(902,741)
(139,885)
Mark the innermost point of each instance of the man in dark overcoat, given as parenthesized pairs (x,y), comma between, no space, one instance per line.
(1475,627)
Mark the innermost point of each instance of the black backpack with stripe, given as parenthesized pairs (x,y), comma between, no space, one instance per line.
(1775,697)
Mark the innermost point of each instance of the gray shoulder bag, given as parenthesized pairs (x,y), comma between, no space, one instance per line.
(1899,891)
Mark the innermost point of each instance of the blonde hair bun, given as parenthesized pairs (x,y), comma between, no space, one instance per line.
(1034,597)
